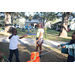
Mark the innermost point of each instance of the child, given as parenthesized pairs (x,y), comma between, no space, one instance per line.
(28,28)
(13,44)
(39,39)
(70,47)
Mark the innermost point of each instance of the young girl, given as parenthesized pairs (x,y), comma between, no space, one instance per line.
(39,38)
(13,45)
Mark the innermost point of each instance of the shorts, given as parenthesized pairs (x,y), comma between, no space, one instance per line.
(40,41)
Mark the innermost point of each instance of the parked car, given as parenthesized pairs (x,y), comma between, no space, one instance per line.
(60,29)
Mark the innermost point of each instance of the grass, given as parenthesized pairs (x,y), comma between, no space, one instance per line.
(53,35)
(20,33)
(4,34)
(25,53)
(25,50)
(48,35)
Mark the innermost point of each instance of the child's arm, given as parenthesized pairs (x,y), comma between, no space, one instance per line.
(22,36)
(10,36)
(39,37)
(63,44)
(72,46)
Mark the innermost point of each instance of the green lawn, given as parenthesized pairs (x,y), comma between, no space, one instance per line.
(48,35)
(25,50)
(20,33)
(53,35)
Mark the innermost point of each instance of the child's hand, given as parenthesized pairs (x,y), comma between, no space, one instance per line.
(63,47)
(58,45)
(36,42)
(25,35)
(22,36)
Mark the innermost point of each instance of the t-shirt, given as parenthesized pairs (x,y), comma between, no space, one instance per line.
(40,30)
(13,42)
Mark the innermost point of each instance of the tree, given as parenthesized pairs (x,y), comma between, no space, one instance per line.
(30,17)
(7,21)
(8,17)
(65,17)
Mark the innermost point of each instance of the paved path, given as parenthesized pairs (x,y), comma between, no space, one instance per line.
(29,41)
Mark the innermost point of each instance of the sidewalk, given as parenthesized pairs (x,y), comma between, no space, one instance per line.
(28,41)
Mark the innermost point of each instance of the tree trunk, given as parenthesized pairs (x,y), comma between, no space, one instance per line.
(7,22)
(64,26)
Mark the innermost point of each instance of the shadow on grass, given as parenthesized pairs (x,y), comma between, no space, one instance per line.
(25,51)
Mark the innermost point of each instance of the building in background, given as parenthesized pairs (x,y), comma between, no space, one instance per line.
(32,22)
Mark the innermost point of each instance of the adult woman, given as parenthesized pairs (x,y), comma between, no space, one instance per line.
(39,38)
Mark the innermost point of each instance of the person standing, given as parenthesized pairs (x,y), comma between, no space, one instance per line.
(69,46)
(13,45)
(28,29)
(39,38)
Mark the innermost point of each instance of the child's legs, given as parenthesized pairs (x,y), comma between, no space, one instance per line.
(11,55)
(40,46)
(36,47)
(70,58)
(28,30)
(17,55)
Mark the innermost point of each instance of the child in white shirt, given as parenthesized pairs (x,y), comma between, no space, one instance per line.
(13,45)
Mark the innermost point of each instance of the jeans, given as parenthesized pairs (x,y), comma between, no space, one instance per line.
(70,58)
(23,29)
(28,29)
(16,54)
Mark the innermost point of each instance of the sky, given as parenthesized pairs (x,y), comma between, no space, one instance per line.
(28,13)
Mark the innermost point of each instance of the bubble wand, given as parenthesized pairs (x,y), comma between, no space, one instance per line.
(5,58)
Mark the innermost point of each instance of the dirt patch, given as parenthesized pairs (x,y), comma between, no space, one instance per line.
(25,51)
(53,56)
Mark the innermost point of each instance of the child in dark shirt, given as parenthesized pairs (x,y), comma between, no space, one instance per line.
(70,51)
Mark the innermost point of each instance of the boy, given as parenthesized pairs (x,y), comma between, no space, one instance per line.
(13,44)
(70,47)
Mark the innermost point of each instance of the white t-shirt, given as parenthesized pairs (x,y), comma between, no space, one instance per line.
(40,30)
(13,42)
